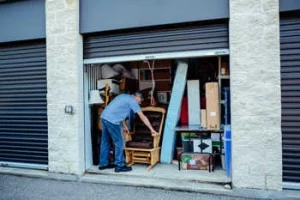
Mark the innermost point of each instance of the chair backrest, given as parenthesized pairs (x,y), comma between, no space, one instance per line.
(156,117)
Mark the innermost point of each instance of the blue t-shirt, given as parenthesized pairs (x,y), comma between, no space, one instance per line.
(120,108)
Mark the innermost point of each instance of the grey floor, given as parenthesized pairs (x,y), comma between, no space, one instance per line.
(171,172)
(23,188)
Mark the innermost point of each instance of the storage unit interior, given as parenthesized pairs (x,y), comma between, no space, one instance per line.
(137,76)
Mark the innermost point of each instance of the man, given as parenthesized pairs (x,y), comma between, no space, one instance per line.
(112,117)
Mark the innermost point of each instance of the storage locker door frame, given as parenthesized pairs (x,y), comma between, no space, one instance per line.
(159,56)
(97,61)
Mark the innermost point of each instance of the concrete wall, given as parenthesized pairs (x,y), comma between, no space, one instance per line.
(255,86)
(65,87)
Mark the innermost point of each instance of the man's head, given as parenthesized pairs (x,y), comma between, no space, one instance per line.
(138,96)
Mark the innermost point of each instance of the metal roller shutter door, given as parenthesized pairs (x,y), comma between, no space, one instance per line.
(23,104)
(191,38)
(290,97)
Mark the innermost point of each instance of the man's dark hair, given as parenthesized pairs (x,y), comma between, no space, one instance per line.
(138,94)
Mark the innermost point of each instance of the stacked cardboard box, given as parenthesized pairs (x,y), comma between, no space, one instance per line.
(203,118)
(212,106)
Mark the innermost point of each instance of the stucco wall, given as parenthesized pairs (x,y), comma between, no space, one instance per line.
(65,87)
(255,89)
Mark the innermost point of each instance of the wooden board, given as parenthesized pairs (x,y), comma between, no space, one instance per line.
(169,137)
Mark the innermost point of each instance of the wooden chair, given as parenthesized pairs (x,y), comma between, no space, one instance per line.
(141,146)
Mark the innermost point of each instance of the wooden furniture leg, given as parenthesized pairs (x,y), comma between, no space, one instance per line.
(154,159)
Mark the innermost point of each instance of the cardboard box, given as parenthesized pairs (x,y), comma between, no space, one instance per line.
(188,136)
(203,118)
(206,143)
(191,143)
(215,137)
(216,142)
(212,106)
(195,161)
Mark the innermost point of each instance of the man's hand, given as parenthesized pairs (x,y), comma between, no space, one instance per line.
(125,129)
(154,133)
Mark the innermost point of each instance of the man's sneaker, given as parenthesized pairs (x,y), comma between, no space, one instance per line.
(109,166)
(123,169)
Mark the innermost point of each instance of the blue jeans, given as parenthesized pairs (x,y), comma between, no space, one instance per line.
(110,130)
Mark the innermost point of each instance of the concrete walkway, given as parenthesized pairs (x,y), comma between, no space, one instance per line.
(23,188)
(125,180)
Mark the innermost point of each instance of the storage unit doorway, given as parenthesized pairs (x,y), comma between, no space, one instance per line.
(205,46)
(164,87)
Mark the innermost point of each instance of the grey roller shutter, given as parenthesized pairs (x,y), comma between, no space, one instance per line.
(23,103)
(163,40)
(290,97)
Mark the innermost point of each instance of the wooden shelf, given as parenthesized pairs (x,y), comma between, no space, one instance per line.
(162,76)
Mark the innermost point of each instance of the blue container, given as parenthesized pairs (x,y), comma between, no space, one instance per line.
(226,92)
(227,141)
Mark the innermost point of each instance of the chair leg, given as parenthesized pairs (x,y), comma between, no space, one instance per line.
(150,167)
(128,156)
(154,159)
(130,164)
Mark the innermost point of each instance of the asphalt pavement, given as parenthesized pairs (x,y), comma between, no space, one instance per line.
(24,188)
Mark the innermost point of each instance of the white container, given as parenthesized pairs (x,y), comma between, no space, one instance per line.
(113,84)
(193,91)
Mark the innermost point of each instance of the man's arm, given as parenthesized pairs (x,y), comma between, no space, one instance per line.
(147,123)
(125,127)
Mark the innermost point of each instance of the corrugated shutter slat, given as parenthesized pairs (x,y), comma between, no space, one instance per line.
(23,103)
(290,86)
(191,38)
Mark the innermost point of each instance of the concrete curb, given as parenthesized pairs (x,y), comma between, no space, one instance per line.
(184,186)
(133,181)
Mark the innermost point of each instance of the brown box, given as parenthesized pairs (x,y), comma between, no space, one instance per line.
(195,161)
(212,106)
(203,118)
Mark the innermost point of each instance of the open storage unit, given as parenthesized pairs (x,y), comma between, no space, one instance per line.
(204,51)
